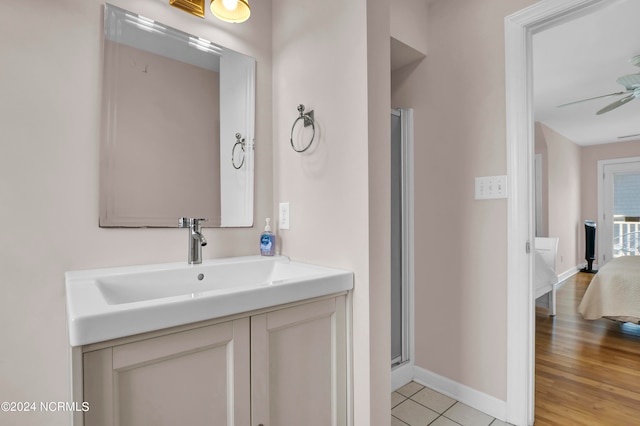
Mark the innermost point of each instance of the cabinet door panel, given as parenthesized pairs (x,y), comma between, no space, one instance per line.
(197,377)
(298,365)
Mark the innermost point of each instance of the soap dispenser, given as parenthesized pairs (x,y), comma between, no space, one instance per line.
(267,240)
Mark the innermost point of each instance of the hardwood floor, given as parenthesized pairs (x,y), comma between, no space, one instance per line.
(587,372)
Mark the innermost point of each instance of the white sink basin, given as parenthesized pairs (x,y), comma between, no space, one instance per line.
(105,304)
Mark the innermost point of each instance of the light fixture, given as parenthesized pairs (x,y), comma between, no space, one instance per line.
(235,11)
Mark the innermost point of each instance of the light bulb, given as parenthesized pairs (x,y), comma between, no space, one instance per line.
(230,4)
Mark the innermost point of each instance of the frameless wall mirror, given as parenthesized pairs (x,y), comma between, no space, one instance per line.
(177,127)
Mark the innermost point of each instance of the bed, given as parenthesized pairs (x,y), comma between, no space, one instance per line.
(614,292)
(544,277)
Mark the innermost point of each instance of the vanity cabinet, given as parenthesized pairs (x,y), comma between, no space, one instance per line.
(298,365)
(194,377)
(274,367)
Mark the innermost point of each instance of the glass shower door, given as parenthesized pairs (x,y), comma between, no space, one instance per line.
(401,256)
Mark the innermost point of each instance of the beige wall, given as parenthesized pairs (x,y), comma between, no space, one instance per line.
(458,96)
(50,119)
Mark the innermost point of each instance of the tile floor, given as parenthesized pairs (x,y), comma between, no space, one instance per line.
(416,405)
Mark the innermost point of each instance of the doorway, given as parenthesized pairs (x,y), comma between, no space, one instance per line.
(519,30)
(401,146)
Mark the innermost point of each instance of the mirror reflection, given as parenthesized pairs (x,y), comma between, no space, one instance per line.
(177,127)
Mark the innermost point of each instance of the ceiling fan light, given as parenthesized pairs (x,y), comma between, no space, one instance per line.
(240,13)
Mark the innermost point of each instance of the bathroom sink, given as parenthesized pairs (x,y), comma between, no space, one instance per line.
(105,304)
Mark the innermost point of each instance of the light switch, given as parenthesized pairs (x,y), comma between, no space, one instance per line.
(491,187)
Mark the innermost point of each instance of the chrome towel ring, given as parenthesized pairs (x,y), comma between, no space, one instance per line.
(307,120)
(240,142)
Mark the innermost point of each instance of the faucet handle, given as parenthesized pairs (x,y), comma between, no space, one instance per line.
(186,222)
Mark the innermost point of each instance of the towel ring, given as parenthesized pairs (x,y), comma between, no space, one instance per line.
(239,143)
(307,120)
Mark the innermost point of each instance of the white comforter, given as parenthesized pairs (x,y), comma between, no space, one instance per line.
(614,292)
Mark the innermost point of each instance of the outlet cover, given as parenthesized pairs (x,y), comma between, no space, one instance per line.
(283,216)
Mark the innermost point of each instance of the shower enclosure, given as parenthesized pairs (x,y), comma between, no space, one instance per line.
(401,238)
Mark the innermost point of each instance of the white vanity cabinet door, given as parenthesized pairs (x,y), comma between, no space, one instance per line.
(195,377)
(298,361)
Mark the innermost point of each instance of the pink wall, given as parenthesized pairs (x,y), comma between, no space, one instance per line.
(337,214)
(50,120)
(379,193)
(408,23)
(541,148)
(458,96)
(565,218)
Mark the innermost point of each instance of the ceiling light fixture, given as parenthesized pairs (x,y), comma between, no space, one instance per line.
(234,11)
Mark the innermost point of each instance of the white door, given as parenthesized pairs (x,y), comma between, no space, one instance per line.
(619,208)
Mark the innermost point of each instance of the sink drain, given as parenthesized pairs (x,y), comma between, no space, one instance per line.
(200,277)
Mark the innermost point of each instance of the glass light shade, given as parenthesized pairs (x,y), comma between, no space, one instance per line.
(230,4)
(240,14)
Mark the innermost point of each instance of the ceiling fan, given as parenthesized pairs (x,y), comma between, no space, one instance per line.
(631,83)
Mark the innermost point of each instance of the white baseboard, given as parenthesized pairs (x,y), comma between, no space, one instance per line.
(401,375)
(471,397)
(568,274)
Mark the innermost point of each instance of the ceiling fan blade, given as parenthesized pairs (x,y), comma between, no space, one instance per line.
(617,104)
(590,99)
(630,82)
(629,136)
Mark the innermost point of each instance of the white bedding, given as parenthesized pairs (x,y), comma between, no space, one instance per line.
(614,292)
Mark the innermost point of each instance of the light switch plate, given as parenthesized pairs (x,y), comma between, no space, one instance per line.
(283,216)
(491,187)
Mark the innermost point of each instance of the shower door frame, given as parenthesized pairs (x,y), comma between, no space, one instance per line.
(402,369)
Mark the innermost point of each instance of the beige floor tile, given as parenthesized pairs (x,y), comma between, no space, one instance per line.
(410,388)
(497,422)
(414,414)
(443,421)
(396,399)
(397,422)
(434,400)
(467,416)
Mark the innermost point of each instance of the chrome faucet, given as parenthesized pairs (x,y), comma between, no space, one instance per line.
(196,239)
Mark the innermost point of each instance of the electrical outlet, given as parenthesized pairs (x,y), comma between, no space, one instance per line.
(490,187)
(283,216)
